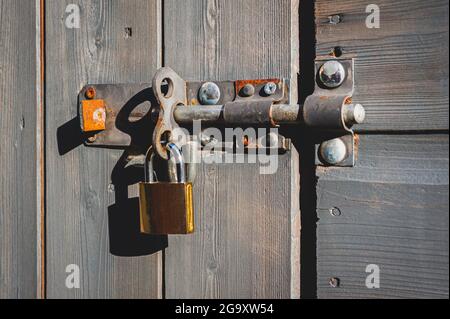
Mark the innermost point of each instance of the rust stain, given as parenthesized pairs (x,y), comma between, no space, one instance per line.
(241,83)
(356,146)
(93,115)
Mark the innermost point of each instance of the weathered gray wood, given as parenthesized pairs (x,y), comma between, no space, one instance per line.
(82,221)
(394,207)
(402,67)
(246,243)
(18,224)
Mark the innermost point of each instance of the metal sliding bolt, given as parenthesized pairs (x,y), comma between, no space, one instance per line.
(270,88)
(333,151)
(209,94)
(332,74)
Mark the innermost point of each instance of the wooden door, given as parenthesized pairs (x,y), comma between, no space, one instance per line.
(64,204)
(247,239)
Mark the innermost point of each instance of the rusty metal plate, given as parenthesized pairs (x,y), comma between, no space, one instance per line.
(93,115)
(127,117)
(127,114)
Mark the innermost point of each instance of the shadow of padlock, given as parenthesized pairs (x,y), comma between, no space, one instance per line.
(166,208)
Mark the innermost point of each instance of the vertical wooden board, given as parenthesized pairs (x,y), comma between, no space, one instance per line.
(401,68)
(246,243)
(394,214)
(18,235)
(86,215)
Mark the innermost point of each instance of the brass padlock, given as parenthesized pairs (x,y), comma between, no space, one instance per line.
(166,208)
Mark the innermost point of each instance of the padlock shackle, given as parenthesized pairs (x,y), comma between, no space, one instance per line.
(175,160)
(148,165)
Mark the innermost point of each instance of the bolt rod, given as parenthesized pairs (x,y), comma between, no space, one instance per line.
(281,114)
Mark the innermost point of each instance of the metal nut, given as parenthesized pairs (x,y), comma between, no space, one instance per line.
(209,94)
(332,74)
(333,151)
(270,88)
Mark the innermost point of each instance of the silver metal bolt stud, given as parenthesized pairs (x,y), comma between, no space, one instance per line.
(333,151)
(354,114)
(270,88)
(332,74)
(209,94)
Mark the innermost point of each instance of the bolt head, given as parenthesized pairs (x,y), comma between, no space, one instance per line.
(359,113)
(270,88)
(209,94)
(335,19)
(335,212)
(332,74)
(248,90)
(333,152)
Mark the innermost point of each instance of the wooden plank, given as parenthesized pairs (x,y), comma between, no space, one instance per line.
(90,223)
(248,225)
(401,68)
(394,213)
(18,234)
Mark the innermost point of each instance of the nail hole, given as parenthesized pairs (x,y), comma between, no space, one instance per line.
(128,32)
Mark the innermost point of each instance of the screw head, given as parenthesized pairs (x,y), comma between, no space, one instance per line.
(332,74)
(335,212)
(207,140)
(90,93)
(333,151)
(248,90)
(334,282)
(270,88)
(272,140)
(209,93)
(92,139)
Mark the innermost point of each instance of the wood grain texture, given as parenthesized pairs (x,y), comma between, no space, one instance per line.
(242,242)
(401,68)
(82,221)
(246,243)
(18,267)
(394,207)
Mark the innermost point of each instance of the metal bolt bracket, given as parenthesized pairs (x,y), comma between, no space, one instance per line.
(330,110)
(175,103)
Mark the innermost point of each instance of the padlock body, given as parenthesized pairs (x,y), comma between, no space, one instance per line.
(166,208)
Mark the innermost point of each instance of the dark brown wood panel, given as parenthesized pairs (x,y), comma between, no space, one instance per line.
(92,218)
(401,68)
(246,243)
(18,199)
(394,213)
